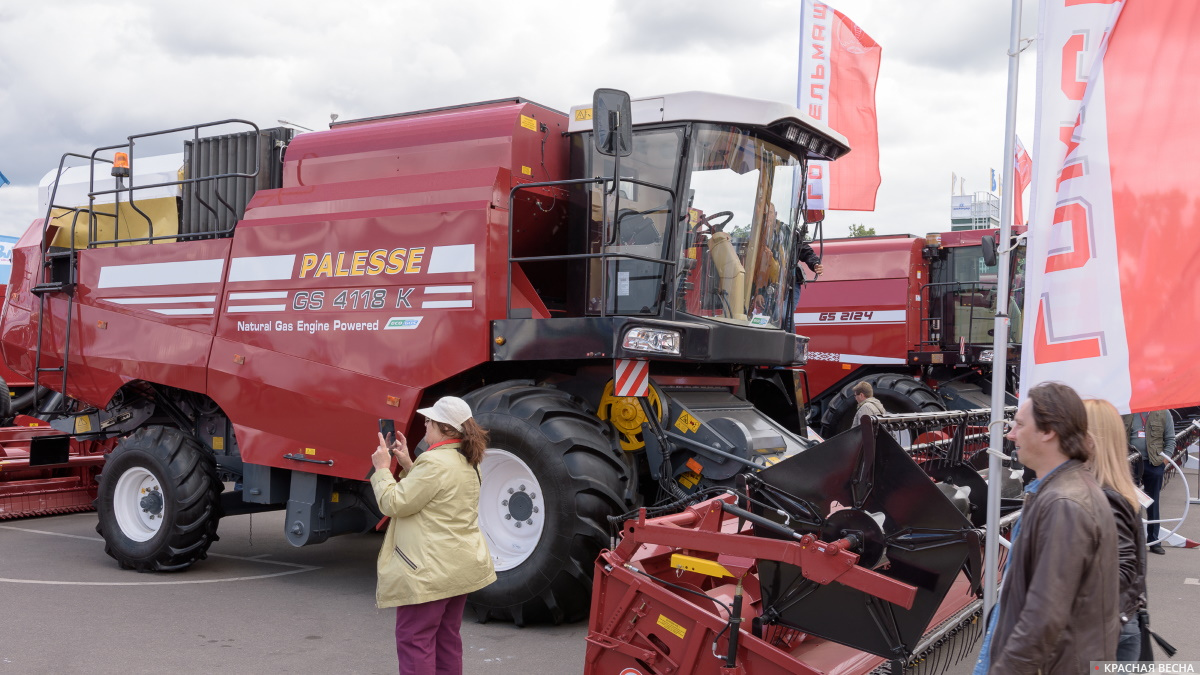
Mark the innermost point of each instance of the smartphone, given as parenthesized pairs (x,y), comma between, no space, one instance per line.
(388,429)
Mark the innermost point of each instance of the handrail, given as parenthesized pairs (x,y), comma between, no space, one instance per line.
(671,265)
(927,299)
(44,284)
(93,193)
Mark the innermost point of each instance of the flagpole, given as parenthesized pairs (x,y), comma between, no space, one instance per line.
(1000,331)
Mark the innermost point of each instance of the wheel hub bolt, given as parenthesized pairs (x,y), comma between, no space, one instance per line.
(528,522)
(518,524)
(503,502)
(522,488)
(508,516)
(510,491)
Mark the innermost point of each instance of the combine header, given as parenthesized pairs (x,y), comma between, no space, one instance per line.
(44,471)
(845,558)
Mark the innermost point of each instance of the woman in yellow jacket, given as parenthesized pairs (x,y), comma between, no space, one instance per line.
(434,553)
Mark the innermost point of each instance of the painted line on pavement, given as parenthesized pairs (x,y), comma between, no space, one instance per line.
(256,559)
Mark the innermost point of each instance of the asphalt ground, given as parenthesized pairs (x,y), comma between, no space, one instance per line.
(258,605)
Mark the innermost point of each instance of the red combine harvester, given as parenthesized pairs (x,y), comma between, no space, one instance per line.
(235,318)
(911,315)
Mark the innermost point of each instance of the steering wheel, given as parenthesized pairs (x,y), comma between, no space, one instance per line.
(710,227)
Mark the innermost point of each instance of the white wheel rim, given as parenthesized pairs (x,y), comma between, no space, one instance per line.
(512,508)
(139,504)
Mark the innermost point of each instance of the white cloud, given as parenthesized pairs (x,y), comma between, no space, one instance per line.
(81,73)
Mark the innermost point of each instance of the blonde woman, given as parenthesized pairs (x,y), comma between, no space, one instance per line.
(1110,464)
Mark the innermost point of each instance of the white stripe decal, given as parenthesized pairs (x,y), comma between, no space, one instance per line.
(155,301)
(447,289)
(863,358)
(444,304)
(184,312)
(854,358)
(233,309)
(162,274)
(258,296)
(262,268)
(458,258)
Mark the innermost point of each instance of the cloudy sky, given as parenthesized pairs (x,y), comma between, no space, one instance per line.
(79,74)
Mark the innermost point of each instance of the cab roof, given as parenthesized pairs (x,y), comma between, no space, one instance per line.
(702,106)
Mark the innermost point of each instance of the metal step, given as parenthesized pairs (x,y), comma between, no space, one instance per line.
(54,287)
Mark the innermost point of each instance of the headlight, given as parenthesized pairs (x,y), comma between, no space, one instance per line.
(987,355)
(801,355)
(652,340)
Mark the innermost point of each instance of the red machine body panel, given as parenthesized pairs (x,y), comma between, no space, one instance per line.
(13,379)
(370,275)
(865,309)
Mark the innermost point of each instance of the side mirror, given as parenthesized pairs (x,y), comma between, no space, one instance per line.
(612,122)
(989,250)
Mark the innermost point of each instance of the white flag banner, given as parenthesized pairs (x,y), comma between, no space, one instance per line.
(1114,229)
(839,68)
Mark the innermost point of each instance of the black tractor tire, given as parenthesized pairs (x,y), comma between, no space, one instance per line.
(582,476)
(161,532)
(6,407)
(897,392)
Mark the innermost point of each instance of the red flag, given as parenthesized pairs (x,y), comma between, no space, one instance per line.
(839,66)
(1111,306)
(1022,174)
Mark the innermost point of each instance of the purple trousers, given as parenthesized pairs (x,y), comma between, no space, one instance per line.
(427,638)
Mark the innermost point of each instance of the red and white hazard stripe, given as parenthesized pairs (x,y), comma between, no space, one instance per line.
(632,378)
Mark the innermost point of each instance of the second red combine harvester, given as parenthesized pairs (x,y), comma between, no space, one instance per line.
(607,288)
(914,317)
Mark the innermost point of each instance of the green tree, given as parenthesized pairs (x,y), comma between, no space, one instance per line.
(859,230)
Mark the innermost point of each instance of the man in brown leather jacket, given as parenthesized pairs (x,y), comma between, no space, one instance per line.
(1059,605)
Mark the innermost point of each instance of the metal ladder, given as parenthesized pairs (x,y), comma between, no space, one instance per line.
(58,274)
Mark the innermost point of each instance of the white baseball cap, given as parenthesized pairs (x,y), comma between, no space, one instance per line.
(450,410)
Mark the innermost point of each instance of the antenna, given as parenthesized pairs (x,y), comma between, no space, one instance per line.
(293,124)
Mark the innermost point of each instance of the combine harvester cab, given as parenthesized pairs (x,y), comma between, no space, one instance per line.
(845,558)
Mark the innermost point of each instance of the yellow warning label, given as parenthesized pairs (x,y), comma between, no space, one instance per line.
(688,479)
(583,114)
(529,123)
(686,422)
(527,171)
(218,443)
(83,424)
(334,498)
(676,629)
(310,451)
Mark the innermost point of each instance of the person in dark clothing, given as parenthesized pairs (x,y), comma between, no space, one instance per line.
(1059,603)
(1110,466)
(808,257)
(805,255)
(1152,434)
